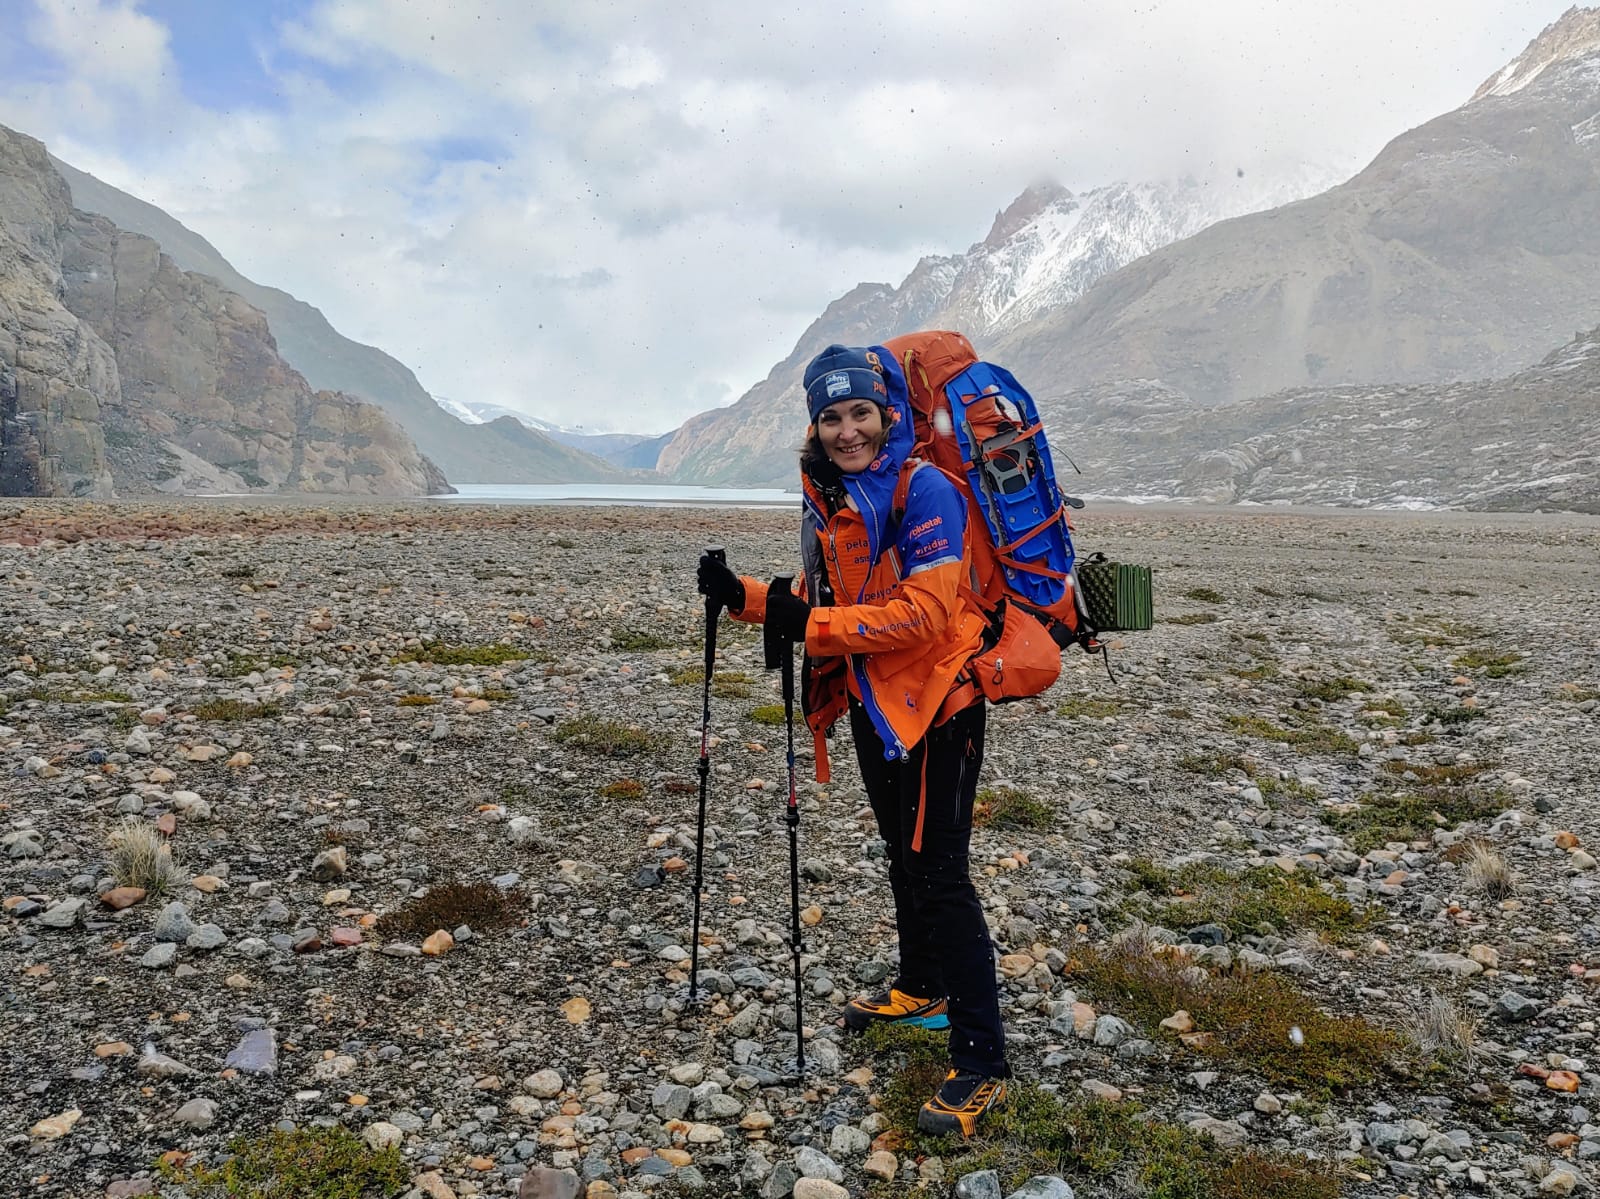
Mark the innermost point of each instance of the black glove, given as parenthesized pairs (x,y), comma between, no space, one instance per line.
(719,584)
(787,615)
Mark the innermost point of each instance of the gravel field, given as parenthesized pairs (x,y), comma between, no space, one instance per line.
(1352,768)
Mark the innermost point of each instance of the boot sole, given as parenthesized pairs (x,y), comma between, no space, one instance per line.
(860,1023)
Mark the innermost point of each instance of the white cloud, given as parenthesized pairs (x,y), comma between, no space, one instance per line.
(632,209)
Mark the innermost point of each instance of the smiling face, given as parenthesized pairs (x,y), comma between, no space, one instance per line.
(852,432)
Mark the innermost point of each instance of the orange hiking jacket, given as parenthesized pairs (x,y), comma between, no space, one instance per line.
(909,632)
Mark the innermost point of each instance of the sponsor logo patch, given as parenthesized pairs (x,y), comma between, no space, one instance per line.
(838,384)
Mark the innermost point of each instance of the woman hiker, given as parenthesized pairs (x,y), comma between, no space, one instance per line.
(886,633)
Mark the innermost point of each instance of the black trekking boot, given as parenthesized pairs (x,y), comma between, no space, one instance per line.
(961,1103)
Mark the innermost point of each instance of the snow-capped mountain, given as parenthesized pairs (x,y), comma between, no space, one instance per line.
(1574,34)
(1042,252)
(1045,250)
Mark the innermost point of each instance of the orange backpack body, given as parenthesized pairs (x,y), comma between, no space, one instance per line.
(981,428)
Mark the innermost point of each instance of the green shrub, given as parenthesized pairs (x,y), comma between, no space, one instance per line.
(1245,1017)
(308,1163)
(448,905)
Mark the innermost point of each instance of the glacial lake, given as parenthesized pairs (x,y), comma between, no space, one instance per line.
(650,495)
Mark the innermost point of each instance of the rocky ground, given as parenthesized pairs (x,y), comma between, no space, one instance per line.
(255,685)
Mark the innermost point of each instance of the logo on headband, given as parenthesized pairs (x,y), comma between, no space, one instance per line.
(838,384)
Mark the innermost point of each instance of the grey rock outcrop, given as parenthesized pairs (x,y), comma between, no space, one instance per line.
(121,372)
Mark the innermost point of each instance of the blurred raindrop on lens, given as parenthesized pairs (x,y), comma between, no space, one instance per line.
(1297,1037)
(941,422)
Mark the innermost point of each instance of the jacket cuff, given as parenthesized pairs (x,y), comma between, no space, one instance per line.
(755,601)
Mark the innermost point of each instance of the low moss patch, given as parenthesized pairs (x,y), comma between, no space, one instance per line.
(451,904)
(1313,738)
(1200,893)
(1215,765)
(725,684)
(1331,690)
(1456,715)
(623,789)
(1008,807)
(640,641)
(1082,707)
(1246,1018)
(1118,1146)
(234,709)
(1409,815)
(767,714)
(417,701)
(1495,666)
(1264,669)
(440,654)
(1204,595)
(1431,630)
(607,738)
(1429,775)
(309,1163)
(1192,618)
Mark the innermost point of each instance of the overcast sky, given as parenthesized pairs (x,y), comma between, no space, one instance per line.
(616,214)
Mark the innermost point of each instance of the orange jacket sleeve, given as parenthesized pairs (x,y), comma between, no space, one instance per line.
(918,616)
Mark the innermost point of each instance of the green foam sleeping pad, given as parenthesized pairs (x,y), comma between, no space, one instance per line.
(1118,596)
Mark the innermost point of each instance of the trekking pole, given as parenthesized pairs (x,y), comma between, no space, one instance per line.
(713,610)
(779,652)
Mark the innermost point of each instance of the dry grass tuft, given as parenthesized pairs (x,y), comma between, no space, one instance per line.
(1441,1032)
(1487,871)
(141,857)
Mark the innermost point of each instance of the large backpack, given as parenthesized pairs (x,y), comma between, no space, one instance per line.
(981,428)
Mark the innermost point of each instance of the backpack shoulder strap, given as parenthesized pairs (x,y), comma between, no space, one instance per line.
(902,487)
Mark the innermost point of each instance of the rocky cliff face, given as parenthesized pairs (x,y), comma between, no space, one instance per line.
(482,453)
(128,373)
(1529,441)
(54,371)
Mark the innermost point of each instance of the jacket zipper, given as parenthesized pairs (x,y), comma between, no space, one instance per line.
(855,668)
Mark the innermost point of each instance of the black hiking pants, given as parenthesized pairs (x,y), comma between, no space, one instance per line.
(945,947)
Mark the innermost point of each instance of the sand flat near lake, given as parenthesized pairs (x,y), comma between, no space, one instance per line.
(326,711)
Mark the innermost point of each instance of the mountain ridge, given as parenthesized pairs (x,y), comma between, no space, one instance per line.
(328,359)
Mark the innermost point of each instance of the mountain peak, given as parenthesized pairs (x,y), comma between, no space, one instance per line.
(1574,34)
(1023,209)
